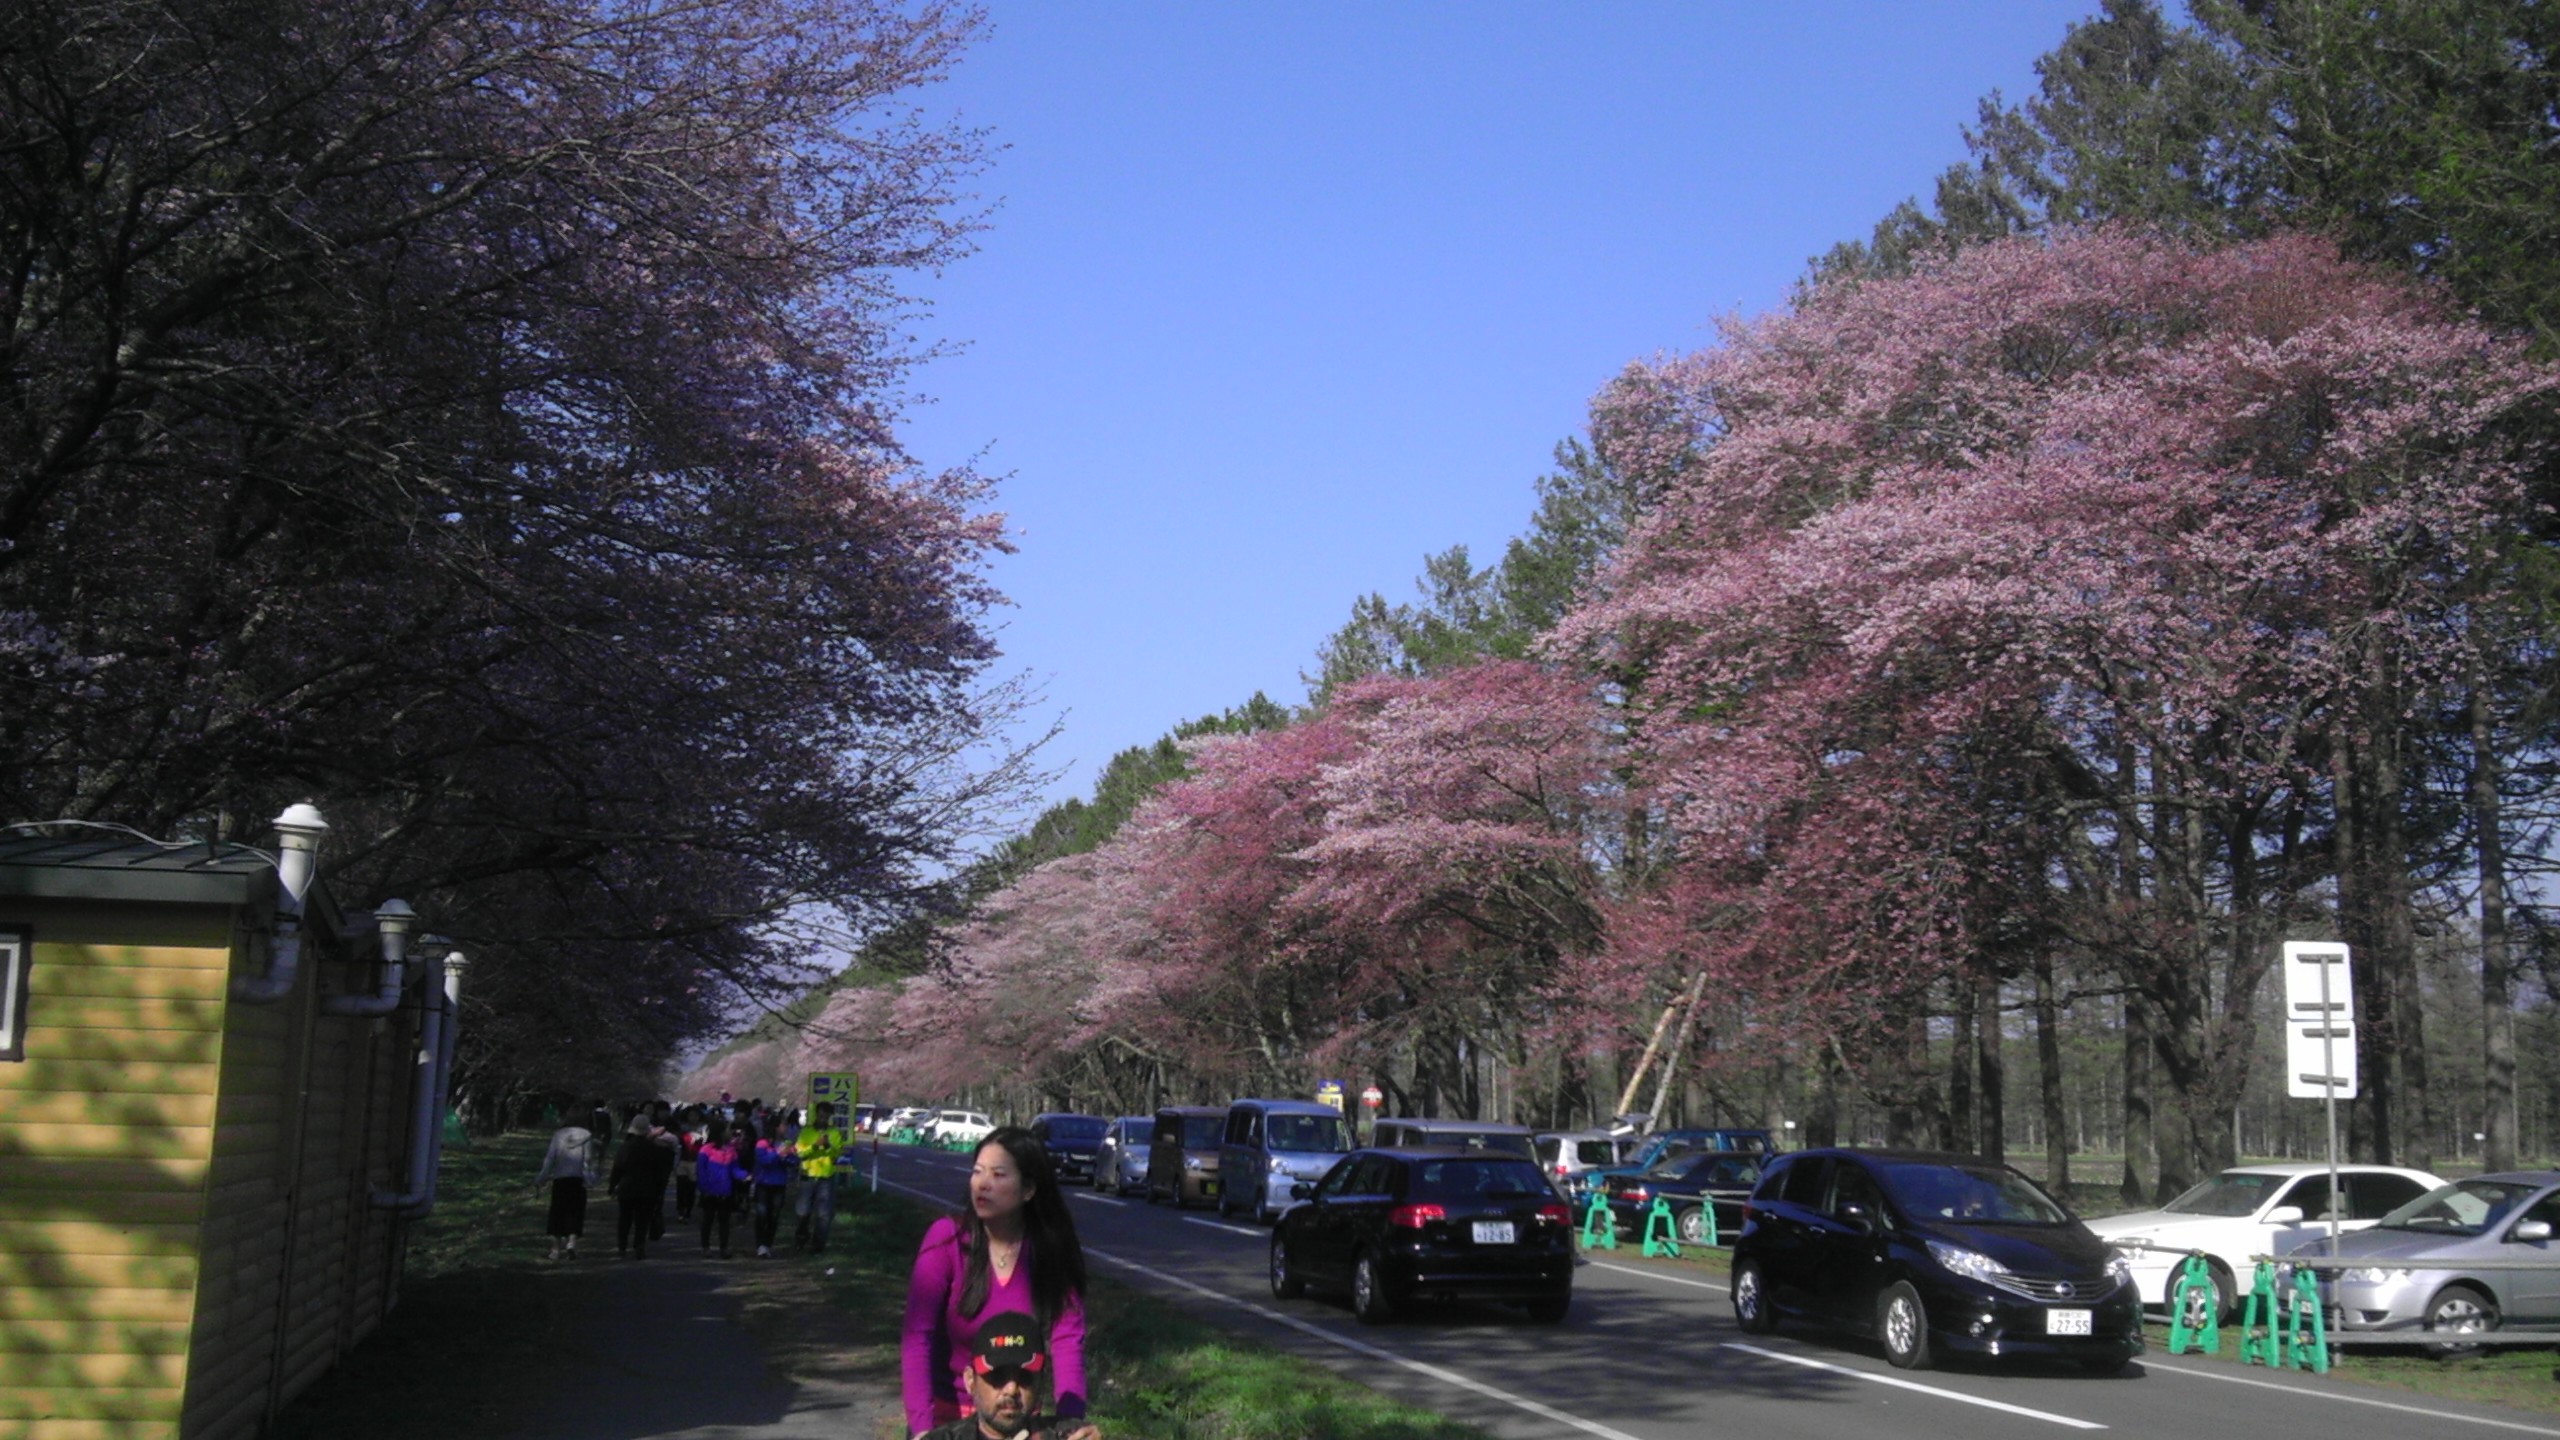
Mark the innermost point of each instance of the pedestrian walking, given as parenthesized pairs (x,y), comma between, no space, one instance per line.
(1013,1248)
(688,1147)
(571,1167)
(639,1182)
(715,1178)
(775,1163)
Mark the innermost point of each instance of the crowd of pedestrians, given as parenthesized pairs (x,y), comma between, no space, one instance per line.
(995,1303)
(719,1160)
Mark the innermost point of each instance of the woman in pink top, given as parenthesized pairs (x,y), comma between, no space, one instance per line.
(1013,1248)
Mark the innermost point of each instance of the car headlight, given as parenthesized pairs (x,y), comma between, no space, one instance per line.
(1969,1263)
(2120,1267)
(1191,1163)
(2372,1275)
(1278,1166)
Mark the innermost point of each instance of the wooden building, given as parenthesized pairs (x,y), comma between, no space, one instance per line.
(202,1201)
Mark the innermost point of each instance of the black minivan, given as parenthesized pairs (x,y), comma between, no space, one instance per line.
(1932,1254)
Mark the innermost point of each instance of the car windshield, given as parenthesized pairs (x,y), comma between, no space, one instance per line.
(1075,1127)
(1307,1132)
(1202,1132)
(1133,1129)
(1973,1194)
(2227,1194)
(2465,1207)
(1489,1179)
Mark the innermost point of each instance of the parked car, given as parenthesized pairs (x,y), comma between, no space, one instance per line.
(1269,1146)
(1121,1166)
(1390,1227)
(1073,1141)
(1570,1156)
(1182,1154)
(1653,1149)
(2422,1273)
(1691,1182)
(910,1117)
(1423,1132)
(958,1127)
(2246,1212)
(1932,1254)
(867,1118)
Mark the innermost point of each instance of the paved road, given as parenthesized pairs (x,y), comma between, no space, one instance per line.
(1650,1352)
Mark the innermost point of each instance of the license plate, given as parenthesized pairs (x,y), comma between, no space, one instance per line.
(2067,1322)
(1208,1187)
(1495,1232)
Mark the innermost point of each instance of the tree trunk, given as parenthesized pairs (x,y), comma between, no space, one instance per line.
(1653,1047)
(1992,1139)
(2497,977)
(1955,1129)
(2139,1167)
(1679,1050)
(2057,1123)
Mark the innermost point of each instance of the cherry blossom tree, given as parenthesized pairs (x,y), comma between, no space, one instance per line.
(2108,531)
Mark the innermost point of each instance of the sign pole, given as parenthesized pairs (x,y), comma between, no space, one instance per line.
(2329,1072)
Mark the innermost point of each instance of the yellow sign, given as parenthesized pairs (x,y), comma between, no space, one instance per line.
(837,1088)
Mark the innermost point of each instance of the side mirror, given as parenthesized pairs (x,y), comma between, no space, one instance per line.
(2285,1215)
(1301,1190)
(1857,1218)
(2531,1231)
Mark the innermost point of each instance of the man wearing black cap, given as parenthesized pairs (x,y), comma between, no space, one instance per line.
(1006,1364)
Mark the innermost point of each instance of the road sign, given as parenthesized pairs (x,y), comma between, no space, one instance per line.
(838,1088)
(1373,1097)
(2319,1021)
(1329,1092)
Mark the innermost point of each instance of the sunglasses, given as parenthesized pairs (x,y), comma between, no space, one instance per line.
(1004,1375)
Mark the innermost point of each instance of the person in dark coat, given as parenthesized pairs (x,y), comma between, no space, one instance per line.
(641,1170)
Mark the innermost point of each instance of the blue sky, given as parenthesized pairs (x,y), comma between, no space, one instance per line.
(1278,299)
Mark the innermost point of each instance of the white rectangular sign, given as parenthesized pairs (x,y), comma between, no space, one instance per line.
(2319,1021)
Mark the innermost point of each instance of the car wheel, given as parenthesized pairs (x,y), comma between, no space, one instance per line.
(1693,1225)
(1285,1283)
(2202,1310)
(1550,1312)
(1223,1211)
(1369,1293)
(2461,1310)
(1903,1324)
(1751,1313)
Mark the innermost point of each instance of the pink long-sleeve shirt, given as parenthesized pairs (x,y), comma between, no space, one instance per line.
(934,1356)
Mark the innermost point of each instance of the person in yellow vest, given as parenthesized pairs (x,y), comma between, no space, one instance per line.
(820,1143)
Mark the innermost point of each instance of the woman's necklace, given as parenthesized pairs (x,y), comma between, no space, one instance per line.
(1002,1254)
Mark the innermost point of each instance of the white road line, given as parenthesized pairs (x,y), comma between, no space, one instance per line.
(1219,1225)
(1446,1377)
(2308,1394)
(1901,1384)
(1098,1199)
(1652,1275)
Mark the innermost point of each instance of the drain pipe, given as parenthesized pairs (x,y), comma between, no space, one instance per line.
(439,1003)
(394,920)
(298,832)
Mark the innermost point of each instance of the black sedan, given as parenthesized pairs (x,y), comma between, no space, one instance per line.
(1691,1182)
(1932,1254)
(1389,1227)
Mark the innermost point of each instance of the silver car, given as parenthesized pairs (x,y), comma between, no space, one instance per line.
(2421,1267)
(1121,1166)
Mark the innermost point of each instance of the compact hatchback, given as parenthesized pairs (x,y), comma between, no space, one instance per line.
(2481,1253)
(1389,1227)
(1932,1254)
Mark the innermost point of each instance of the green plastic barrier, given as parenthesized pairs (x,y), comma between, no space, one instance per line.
(1707,1217)
(2195,1278)
(1599,1227)
(1659,1237)
(2303,1313)
(2260,1321)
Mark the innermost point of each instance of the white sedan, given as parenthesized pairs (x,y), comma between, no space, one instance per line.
(964,1127)
(2245,1211)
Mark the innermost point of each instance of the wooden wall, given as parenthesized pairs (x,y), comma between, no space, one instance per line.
(186,1238)
(298,1265)
(104,1152)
